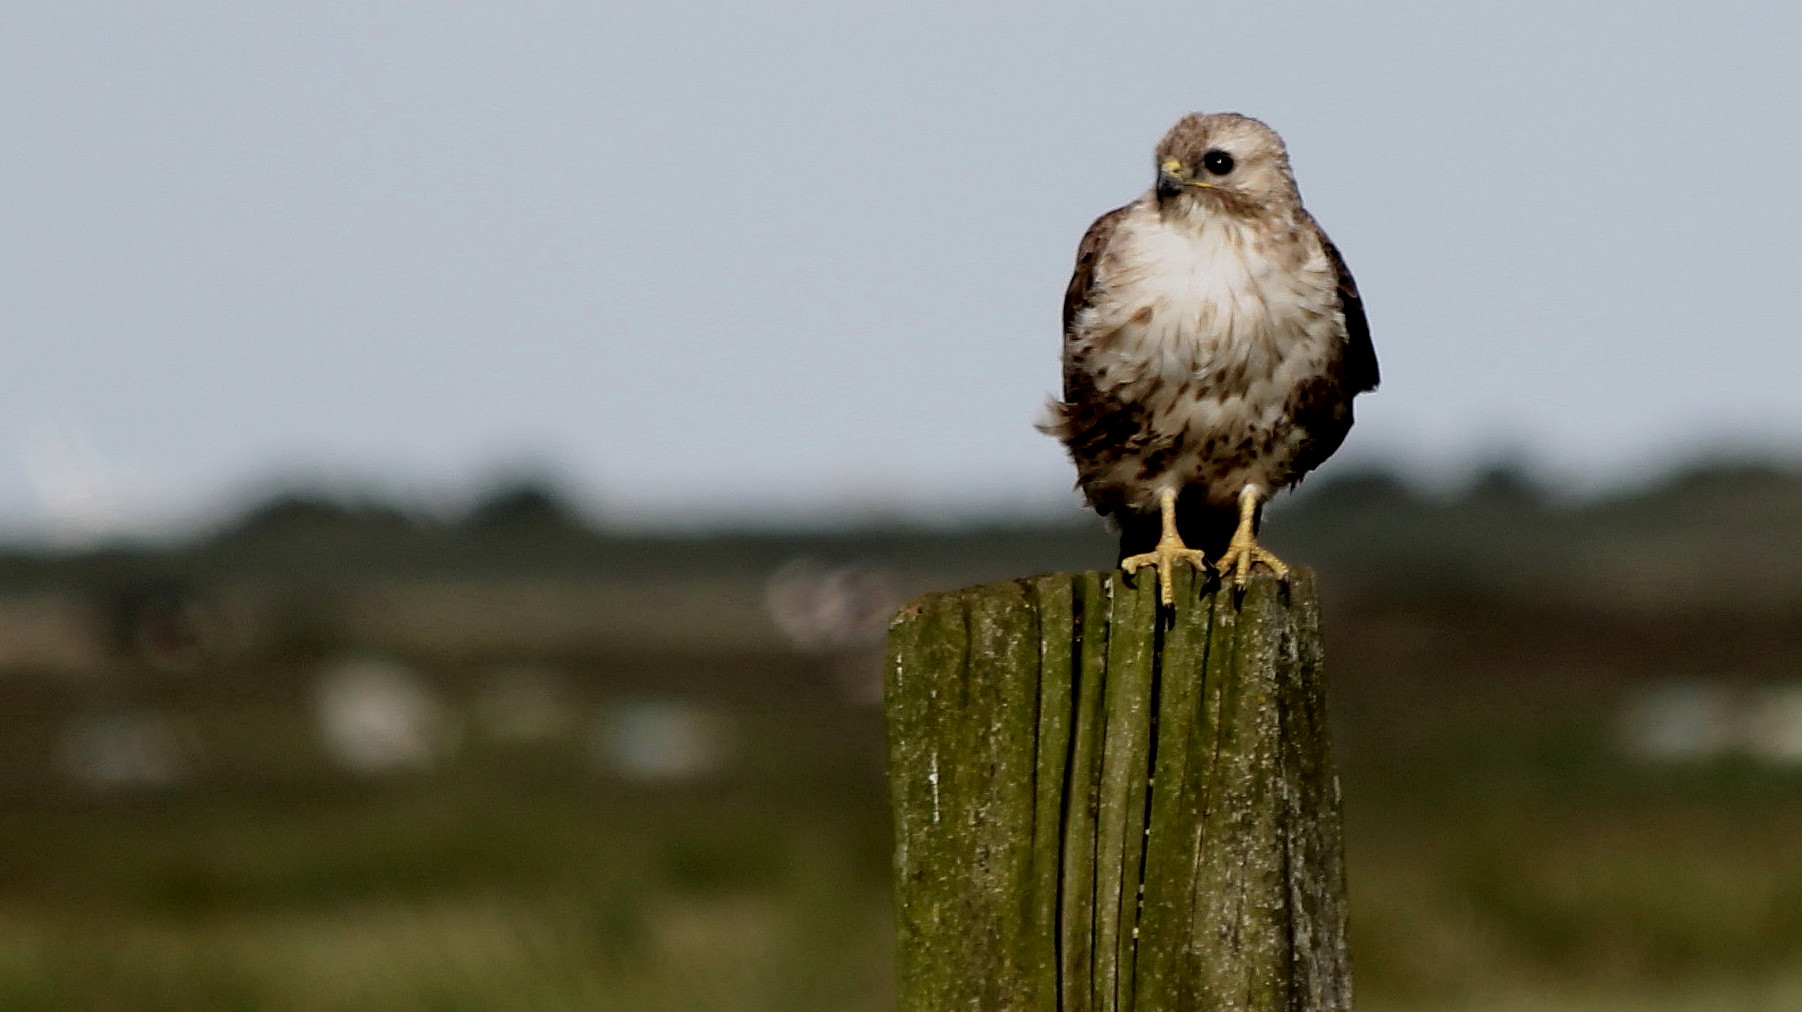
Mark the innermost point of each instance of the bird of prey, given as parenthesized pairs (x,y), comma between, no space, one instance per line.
(1213,342)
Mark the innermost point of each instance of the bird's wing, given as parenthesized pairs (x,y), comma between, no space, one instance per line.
(1083,288)
(1360,363)
(1094,425)
(1324,411)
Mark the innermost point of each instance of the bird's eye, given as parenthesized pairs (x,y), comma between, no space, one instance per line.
(1217,162)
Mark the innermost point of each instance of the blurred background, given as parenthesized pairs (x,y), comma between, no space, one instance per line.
(460,460)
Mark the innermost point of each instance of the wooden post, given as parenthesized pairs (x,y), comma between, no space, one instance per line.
(1101,809)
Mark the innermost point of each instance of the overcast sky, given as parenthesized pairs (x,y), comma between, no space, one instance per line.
(717,262)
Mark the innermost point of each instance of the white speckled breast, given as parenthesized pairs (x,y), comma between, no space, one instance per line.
(1211,324)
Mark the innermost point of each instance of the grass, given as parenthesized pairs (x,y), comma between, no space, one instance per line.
(472,898)
(444,897)
(1503,855)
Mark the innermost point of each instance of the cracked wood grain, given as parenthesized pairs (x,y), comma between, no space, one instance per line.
(1104,806)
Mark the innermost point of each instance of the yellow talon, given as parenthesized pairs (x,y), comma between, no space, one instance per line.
(1244,552)
(1164,559)
(1239,559)
(1170,550)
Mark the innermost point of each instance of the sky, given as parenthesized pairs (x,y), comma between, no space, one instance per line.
(711,262)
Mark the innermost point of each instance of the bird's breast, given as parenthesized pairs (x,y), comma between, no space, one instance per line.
(1215,319)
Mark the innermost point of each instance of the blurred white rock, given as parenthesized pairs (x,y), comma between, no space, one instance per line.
(1694,720)
(1771,727)
(378,717)
(1680,721)
(661,740)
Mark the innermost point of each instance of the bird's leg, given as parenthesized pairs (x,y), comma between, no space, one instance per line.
(1169,551)
(1244,552)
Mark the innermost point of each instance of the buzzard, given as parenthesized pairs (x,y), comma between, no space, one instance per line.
(1213,342)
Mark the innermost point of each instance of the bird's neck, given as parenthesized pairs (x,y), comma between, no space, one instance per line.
(1202,213)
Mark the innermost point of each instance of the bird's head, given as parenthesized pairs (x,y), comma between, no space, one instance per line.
(1224,162)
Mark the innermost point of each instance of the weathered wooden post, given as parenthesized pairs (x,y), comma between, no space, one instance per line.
(1098,809)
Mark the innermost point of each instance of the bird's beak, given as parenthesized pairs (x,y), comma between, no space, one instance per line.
(1172,179)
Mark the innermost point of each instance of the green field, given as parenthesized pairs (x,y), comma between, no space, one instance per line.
(176,834)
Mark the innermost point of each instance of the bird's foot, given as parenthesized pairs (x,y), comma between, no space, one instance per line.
(1243,553)
(1164,559)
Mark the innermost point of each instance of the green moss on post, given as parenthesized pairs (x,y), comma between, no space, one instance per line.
(1101,809)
